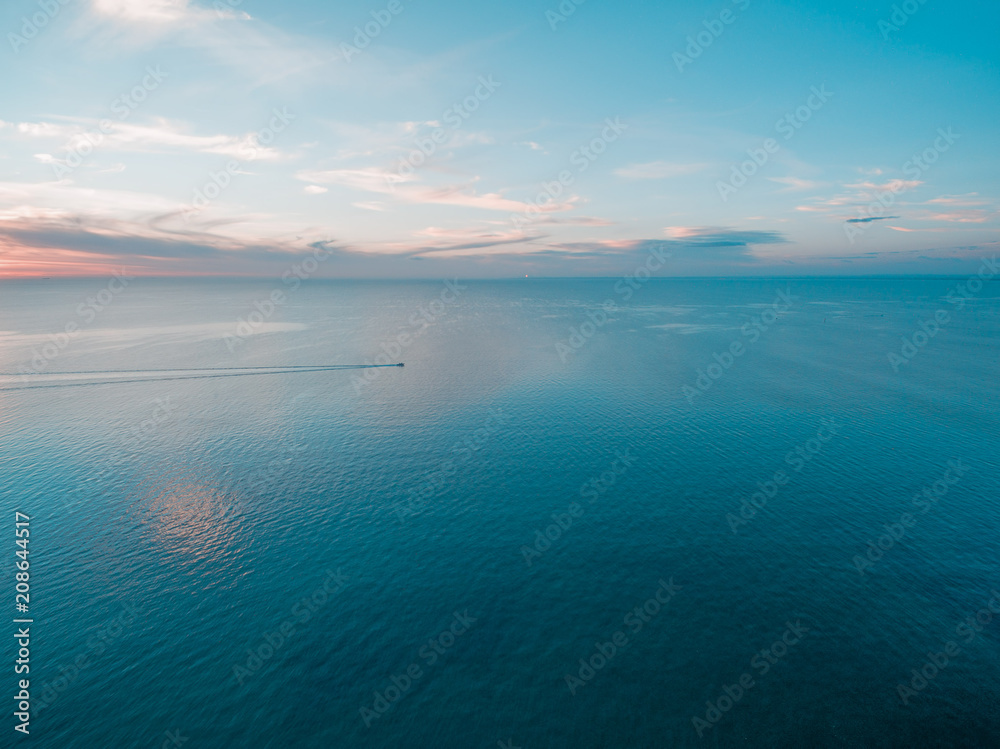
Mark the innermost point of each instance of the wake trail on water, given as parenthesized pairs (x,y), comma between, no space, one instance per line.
(222,372)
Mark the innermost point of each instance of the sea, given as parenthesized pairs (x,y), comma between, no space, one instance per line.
(609,512)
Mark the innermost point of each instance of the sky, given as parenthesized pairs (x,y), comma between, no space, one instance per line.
(416,139)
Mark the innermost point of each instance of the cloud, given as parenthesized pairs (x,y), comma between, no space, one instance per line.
(861,195)
(944,260)
(701,251)
(371,180)
(314,190)
(59,223)
(868,220)
(659,170)
(472,247)
(699,243)
(571,221)
(46,244)
(253,48)
(150,245)
(74,243)
(56,199)
(163,135)
(793,184)
(893,185)
(440,242)
(827,205)
(969,199)
(46,130)
(149,11)
(383,181)
(959,217)
(715,236)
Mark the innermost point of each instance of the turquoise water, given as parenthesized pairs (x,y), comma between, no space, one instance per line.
(329,559)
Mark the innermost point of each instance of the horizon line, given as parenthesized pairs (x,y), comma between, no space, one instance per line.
(222,277)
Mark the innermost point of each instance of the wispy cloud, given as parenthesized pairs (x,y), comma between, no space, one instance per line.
(971,199)
(858,195)
(532,145)
(407,190)
(465,242)
(794,184)
(161,136)
(893,185)
(253,48)
(160,11)
(571,221)
(971,216)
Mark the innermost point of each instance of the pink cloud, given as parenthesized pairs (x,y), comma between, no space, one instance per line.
(404,188)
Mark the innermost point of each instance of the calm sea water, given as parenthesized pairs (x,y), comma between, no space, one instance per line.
(318,559)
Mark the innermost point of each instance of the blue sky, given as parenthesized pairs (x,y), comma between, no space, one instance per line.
(498,140)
